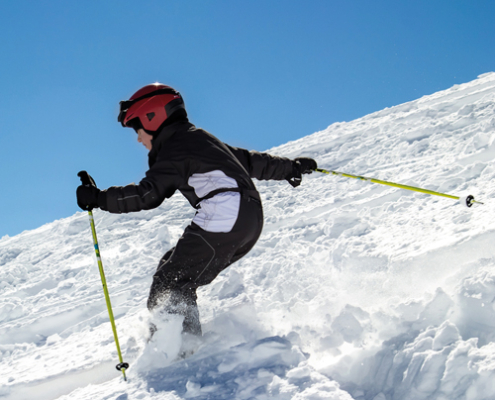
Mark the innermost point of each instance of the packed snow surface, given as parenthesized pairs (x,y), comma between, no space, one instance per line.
(355,290)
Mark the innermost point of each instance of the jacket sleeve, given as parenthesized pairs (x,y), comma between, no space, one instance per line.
(161,182)
(263,166)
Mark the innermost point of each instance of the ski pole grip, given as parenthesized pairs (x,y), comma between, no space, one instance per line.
(86,179)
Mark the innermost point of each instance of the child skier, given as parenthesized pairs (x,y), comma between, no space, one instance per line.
(213,176)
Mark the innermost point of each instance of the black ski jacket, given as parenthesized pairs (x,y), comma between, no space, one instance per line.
(181,152)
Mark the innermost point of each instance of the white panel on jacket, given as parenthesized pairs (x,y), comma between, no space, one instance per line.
(209,181)
(219,213)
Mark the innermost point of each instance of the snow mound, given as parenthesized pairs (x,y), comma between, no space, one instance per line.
(354,290)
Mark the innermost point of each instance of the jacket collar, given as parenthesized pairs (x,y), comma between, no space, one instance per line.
(164,135)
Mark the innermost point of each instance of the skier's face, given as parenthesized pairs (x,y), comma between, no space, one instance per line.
(144,138)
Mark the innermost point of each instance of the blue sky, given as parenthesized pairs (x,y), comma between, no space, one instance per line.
(254,73)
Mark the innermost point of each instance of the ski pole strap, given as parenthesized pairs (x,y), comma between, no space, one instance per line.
(469,200)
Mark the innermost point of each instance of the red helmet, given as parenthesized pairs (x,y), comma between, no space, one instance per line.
(151,105)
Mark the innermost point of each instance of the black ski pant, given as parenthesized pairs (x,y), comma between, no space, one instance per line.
(197,259)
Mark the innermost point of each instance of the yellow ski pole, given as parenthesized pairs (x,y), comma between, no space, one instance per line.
(468,201)
(122,366)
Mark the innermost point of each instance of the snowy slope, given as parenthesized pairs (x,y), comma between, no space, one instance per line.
(354,291)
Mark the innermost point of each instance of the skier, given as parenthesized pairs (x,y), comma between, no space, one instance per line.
(213,176)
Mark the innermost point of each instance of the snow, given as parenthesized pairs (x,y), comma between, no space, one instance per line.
(354,291)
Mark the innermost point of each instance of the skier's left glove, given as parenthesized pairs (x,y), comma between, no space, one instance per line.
(301,165)
(87,194)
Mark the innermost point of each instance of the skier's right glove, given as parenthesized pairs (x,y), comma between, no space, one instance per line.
(308,165)
(300,165)
(87,194)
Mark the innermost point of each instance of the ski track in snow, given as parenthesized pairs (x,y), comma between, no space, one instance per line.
(354,290)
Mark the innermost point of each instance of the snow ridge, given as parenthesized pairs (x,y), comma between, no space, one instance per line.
(354,291)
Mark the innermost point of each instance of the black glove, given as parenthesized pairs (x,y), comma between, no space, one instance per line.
(308,165)
(87,193)
(301,165)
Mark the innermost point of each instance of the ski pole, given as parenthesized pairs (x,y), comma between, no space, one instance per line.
(468,201)
(122,366)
